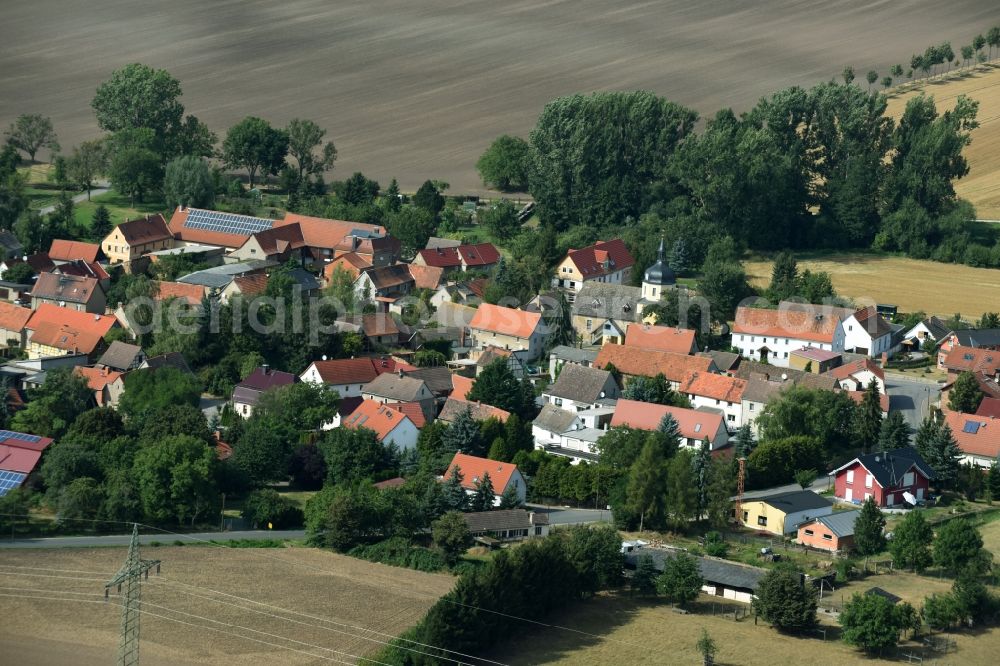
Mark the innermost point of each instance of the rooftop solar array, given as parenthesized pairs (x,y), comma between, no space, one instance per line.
(20,436)
(971,427)
(10,480)
(226,223)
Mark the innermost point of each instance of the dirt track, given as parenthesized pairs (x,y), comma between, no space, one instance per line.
(418,88)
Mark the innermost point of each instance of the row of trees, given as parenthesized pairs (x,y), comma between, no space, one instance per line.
(824,167)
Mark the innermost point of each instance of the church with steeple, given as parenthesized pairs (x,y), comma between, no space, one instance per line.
(658,278)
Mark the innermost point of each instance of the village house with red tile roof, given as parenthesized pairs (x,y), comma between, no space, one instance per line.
(720,392)
(857,375)
(771,335)
(351,262)
(20,454)
(56,331)
(473,470)
(606,261)
(347,376)
(61,251)
(661,338)
(327,239)
(507,328)
(391,426)
(247,394)
(977,436)
(694,425)
(191,294)
(635,362)
(479,257)
(479,411)
(107,385)
(13,323)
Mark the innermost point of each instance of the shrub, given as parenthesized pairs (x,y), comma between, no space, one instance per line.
(267,506)
(401,552)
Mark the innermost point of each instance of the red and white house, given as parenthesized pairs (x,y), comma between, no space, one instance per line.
(502,475)
(890,477)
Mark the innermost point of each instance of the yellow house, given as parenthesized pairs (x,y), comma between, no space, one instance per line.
(607,262)
(782,513)
(131,240)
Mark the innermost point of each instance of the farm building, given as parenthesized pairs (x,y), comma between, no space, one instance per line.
(782,513)
(19,455)
(725,579)
(888,476)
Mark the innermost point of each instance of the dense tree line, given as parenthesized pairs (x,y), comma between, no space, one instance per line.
(532,582)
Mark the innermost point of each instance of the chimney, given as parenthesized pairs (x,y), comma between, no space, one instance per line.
(400,373)
(265,368)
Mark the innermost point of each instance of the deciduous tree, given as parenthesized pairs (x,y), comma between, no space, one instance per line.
(504,165)
(681,579)
(87,162)
(30,132)
(869,528)
(965,394)
(910,544)
(304,137)
(451,535)
(189,182)
(254,145)
(785,601)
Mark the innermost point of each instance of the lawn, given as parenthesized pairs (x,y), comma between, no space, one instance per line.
(910,284)
(120,207)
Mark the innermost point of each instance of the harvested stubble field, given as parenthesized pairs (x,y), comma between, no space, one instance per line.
(317,583)
(982,185)
(912,284)
(418,89)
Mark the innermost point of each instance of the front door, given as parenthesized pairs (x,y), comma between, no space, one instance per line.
(847,494)
(890,499)
(920,493)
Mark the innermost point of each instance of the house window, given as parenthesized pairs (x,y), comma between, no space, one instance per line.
(751,406)
(908,479)
(590,324)
(538,531)
(654,291)
(827,537)
(746,516)
(868,480)
(571,284)
(809,532)
(850,476)
(742,338)
(558,402)
(731,417)
(751,338)
(717,401)
(762,521)
(850,328)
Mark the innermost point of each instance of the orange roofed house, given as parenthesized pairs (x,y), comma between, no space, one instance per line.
(63,251)
(661,338)
(771,335)
(507,328)
(978,437)
(390,425)
(695,425)
(55,331)
(606,261)
(723,393)
(328,239)
(502,475)
(107,385)
(636,362)
(277,244)
(197,226)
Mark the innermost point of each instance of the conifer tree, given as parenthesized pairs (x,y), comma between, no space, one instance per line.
(485,496)
(453,496)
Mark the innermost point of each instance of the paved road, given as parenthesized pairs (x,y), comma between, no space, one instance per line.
(912,397)
(77,199)
(146,539)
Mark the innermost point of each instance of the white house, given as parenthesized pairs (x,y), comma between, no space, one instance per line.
(866,332)
(578,388)
(856,376)
(390,426)
(719,392)
(551,423)
(771,335)
(502,475)
(347,376)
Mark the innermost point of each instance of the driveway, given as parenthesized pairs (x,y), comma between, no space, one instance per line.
(913,397)
(102,189)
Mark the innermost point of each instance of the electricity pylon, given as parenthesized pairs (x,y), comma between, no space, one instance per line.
(130,575)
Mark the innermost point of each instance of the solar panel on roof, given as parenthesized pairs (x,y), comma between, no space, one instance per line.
(20,436)
(10,480)
(228,223)
(971,427)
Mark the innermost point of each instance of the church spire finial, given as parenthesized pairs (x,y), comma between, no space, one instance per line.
(659,253)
